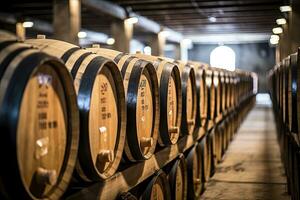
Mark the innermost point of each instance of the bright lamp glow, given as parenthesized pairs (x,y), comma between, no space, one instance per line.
(132,20)
(212,19)
(275,37)
(277,30)
(28,24)
(285,8)
(223,57)
(281,21)
(81,34)
(273,41)
(147,50)
(110,41)
(186,41)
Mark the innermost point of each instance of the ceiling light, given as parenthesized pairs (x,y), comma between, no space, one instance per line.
(277,30)
(273,41)
(186,41)
(110,41)
(285,8)
(147,50)
(81,34)
(275,37)
(27,24)
(132,20)
(281,21)
(212,19)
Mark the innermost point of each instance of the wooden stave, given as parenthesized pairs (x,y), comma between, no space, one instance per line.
(217,87)
(196,150)
(292,93)
(201,117)
(36,58)
(158,176)
(210,94)
(219,137)
(180,161)
(285,90)
(223,75)
(164,68)
(298,96)
(213,159)
(132,153)
(85,167)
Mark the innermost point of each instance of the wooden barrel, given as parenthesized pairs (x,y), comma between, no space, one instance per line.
(201,117)
(189,98)
(207,158)
(101,102)
(213,148)
(142,98)
(210,94)
(194,159)
(223,83)
(177,177)
(8,36)
(218,94)
(233,92)
(219,140)
(227,91)
(285,80)
(293,93)
(39,122)
(158,188)
(170,92)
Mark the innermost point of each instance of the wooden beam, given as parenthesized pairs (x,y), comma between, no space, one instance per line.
(67,20)
(122,33)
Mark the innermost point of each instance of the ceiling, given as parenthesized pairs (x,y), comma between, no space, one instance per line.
(189,17)
(196,16)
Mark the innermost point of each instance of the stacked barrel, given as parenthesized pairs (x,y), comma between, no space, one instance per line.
(284,82)
(79,116)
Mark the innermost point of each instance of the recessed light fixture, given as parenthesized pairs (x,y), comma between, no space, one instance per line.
(273,41)
(147,50)
(275,37)
(285,8)
(81,34)
(212,19)
(281,21)
(28,24)
(277,30)
(110,41)
(186,41)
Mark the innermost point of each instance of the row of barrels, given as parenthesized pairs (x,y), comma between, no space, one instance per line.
(186,176)
(283,87)
(64,107)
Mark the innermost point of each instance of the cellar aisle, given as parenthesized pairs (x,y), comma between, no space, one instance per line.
(251,168)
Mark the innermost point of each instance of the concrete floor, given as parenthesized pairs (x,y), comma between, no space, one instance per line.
(251,169)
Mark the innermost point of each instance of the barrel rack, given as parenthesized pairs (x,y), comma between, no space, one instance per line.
(129,178)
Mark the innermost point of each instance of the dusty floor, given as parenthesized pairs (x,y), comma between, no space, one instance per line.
(251,169)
